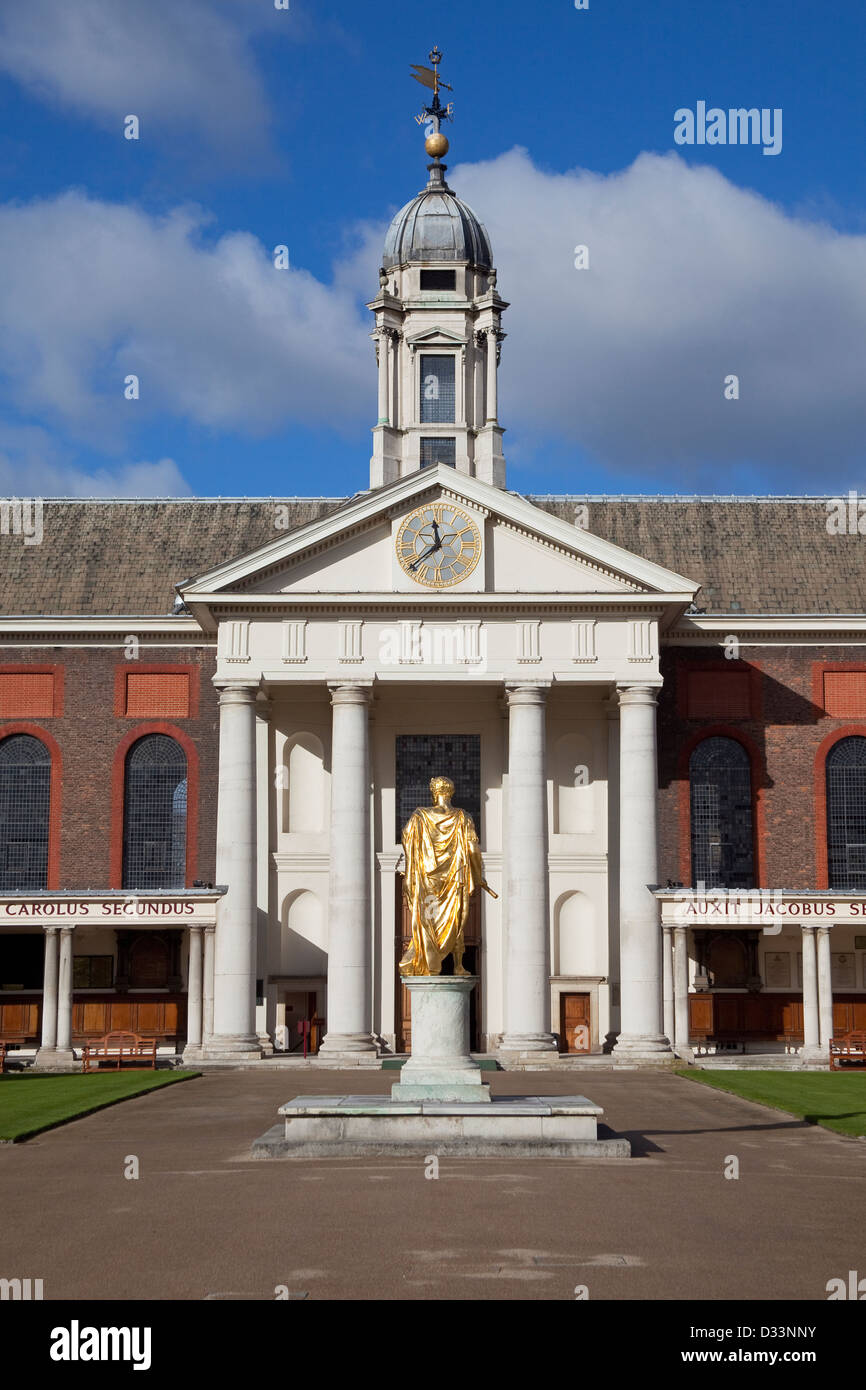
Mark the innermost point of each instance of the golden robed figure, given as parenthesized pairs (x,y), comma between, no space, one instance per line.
(443,869)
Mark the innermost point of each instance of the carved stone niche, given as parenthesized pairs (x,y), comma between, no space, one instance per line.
(728,960)
(149,960)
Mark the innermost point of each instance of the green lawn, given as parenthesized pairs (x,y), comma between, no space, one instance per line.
(30,1104)
(836,1100)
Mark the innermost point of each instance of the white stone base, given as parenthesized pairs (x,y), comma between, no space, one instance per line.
(231,1048)
(440,1067)
(54,1059)
(515,1126)
(345,1044)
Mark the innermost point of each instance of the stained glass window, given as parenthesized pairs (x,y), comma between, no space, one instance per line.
(154,814)
(846,814)
(25,782)
(422,756)
(720,780)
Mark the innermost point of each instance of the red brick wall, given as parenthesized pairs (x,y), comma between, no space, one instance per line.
(785,739)
(88,734)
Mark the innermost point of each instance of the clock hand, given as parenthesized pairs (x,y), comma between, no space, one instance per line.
(437,545)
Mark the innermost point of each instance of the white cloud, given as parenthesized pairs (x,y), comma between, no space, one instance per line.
(32,464)
(691,278)
(183,66)
(93,292)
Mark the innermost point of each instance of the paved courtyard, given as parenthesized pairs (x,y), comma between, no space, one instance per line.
(205,1220)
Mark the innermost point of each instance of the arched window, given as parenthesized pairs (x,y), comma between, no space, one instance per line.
(846,814)
(25,779)
(720,779)
(154,814)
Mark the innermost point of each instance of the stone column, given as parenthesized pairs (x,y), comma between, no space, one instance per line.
(492,403)
(264,797)
(668,980)
(194,992)
(525,875)
(612,712)
(681,989)
(349,901)
(811,1045)
(64,996)
(640,938)
(234,1036)
(207,985)
(384,365)
(48,1046)
(825,989)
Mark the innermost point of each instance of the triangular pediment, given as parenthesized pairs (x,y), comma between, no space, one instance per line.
(526,551)
(436,337)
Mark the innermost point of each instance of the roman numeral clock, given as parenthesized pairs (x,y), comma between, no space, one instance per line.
(438,545)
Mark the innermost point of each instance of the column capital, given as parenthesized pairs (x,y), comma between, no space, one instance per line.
(637,694)
(50,928)
(822,929)
(527,694)
(351,692)
(236,692)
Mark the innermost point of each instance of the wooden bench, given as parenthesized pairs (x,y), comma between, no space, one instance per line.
(120,1050)
(3,1046)
(849,1049)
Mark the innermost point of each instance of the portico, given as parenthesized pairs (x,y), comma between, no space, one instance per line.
(762,970)
(340,680)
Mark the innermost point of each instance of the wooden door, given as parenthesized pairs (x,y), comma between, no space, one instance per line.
(575,1022)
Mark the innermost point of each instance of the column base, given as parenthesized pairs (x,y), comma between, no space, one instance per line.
(193,1054)
(337,1044)
(528,1042)
(814,1052)
(231,1047)
(642,1045)
(56,1059)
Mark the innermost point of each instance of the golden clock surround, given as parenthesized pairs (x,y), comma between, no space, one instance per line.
(453,522)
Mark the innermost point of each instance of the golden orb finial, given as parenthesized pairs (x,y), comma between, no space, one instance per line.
(436,145)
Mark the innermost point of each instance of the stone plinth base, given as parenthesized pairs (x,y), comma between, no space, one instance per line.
(440,1067)
(230,1047)
(509,1126)
(54,1059)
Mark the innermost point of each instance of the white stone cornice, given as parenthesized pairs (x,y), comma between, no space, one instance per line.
(769,630)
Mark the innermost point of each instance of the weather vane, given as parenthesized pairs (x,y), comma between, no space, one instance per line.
(436,144)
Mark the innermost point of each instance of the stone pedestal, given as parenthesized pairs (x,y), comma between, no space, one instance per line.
(440,1067)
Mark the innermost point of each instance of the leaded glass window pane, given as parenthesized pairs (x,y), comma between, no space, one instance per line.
(25,782)
(720,780)
(422,756)
(438,451)
(846,814)
(437,389)
(154,814)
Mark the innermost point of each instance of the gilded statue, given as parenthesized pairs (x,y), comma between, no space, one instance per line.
(443,869)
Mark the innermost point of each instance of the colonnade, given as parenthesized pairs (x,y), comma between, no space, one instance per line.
(350,922)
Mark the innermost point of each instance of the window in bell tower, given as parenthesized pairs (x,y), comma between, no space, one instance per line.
(437,390)
(435,451)
(438,279)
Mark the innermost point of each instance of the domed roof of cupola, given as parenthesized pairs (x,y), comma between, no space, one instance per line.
(437,226)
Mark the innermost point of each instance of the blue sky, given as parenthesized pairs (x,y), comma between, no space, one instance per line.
(261,127)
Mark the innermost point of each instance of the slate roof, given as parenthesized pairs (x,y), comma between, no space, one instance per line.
(767,556)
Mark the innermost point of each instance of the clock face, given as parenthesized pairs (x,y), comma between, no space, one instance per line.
(438,545)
